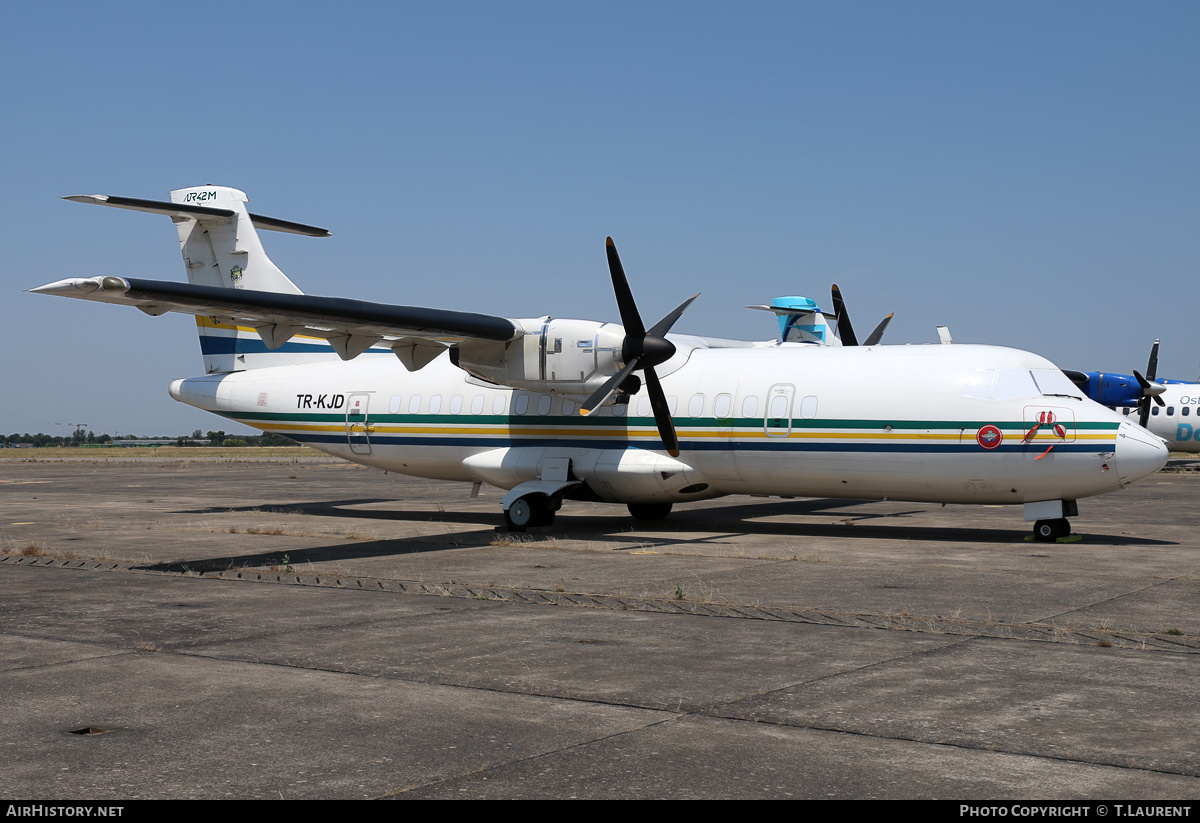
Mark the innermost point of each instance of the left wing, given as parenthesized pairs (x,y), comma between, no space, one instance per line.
(351,326)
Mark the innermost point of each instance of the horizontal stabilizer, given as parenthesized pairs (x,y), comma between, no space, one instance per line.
(202,213)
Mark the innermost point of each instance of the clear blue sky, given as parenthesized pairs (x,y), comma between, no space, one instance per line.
(1026,173)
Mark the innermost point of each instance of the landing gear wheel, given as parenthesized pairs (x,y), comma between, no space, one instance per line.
(649,511)
(530,510)
(1048,531)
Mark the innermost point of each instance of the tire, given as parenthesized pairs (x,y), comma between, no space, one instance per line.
(1048,531)
(530,510)
(649,511)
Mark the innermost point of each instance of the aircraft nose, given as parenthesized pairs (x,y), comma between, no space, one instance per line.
(1139,453)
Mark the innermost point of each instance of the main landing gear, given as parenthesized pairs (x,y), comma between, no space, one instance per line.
(1047,531)
(531,510)
(649,511)
(536,509)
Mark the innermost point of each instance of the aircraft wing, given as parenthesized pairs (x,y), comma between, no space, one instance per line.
(353,325)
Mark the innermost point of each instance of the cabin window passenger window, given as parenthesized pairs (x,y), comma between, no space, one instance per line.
(394,405)
(568,406)
(1184,411)
(1170,411)
(498,405)
(644,409)
(435,404)
(750,406)
(477,404)
(620,410)
(456,404)
(808,407)
(672,404)
(721,405)
(696,405)
(521,404)
(414,404)
(1154,410)
(544,404)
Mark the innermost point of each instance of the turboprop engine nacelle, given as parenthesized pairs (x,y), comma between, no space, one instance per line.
(562,356)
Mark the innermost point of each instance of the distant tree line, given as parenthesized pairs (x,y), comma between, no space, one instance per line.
(196,438)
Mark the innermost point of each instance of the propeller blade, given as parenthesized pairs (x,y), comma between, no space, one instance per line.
(663,326)
(877,335)
(1143,404)
(1152,365)
(641,349)
(845,329)
(610,385)
(662,413)
(1151,390)
(630,318)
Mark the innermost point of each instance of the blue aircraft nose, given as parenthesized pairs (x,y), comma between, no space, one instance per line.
(1139,453)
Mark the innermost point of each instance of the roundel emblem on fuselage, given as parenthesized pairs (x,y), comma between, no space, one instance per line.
(989,437)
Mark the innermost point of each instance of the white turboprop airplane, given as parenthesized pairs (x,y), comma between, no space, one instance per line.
(550,408)
(1168,408)
(1176,418)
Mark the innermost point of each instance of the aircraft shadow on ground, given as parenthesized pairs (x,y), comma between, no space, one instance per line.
(718,524)
(296,560)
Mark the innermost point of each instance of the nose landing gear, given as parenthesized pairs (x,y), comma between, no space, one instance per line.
(1047,531)
(1051,518)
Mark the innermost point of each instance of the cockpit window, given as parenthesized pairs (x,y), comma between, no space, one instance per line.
(1011,384)
(979,384)
(1053,382)
(1014,383)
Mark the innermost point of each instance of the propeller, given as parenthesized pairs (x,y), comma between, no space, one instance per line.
(844,327)
(641,350)
(1149,388)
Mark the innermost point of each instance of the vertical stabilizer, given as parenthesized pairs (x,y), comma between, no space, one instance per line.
(225,251)
(221,249)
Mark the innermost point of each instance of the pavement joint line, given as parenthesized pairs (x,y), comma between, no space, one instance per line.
(491,767)
(964,746)
(921,624)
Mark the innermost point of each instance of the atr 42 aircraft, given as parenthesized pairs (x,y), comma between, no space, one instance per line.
(1177,420)
(1175,413)
(552,409)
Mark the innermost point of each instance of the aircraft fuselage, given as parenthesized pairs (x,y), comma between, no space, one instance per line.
(955,424)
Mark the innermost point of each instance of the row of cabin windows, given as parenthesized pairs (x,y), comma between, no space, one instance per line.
(1184,411)
(722,405)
